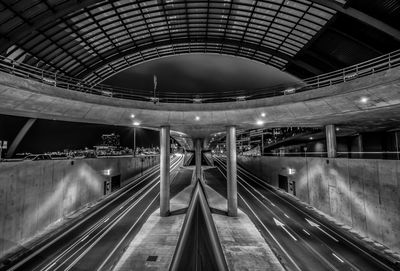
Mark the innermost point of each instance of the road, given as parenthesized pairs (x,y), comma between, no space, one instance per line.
(300,239)
(96,240)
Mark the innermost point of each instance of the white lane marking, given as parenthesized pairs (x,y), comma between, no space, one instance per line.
(273,204)
(307,232)
(117,220)
(118,216)
(326,261)
(266,229)
(340,260)
(315,225)
(106,220)
(286,215)
(126,189)
(280,224)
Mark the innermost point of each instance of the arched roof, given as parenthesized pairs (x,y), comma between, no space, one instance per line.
(95,39)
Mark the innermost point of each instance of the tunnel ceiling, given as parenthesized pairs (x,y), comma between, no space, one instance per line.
(95,39)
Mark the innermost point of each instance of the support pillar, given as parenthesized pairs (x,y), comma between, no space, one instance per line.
(231,170)
(164,170)
(198,158)
(331,148)
(360,148)
(21,134)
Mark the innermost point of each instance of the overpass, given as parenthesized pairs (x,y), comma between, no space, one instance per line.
(69,89)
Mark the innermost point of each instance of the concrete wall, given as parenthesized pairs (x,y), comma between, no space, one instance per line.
(34,194)
(361,193)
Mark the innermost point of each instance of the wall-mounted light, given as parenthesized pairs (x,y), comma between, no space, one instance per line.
(136,123)
(263,114)
(364,100)
(291,171)
(197,118)
(132,116)
(259,122)
(106,172)
(311,138)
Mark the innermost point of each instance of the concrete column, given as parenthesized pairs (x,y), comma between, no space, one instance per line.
(198,158)
(231,170)
(360,148)
(164,170)
(331,148)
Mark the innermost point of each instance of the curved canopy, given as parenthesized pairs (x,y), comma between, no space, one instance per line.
(96,39)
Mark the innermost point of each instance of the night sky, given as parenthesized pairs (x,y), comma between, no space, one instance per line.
(200,73)
(51,135)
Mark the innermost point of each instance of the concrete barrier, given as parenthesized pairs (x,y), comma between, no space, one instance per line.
(35,194)
(361,193)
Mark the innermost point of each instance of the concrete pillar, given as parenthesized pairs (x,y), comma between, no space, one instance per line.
(331,148)
(198,158)
(164,170)
(231,170)
(360,148)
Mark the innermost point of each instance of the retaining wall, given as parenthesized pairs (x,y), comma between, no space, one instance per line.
(361,193)
(35,194)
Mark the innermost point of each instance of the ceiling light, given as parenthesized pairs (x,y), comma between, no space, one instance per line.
(263,114)
(364,100)
(260,122)
(136,123)
(197,118)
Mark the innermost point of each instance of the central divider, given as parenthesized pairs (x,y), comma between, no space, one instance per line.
(198,246)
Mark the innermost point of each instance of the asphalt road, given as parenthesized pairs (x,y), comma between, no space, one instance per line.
(96,240)
(301,239)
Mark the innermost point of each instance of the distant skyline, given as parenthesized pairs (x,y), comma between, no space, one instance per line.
(52,135)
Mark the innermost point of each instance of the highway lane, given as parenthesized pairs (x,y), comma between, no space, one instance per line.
(97,238)
(303,240)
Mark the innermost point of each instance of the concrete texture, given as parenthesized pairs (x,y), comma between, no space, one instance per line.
(158,237)
(360,193)
(35,194)
(244,247)
(338,104)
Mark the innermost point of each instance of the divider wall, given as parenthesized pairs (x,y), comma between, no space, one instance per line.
(35,194)
(360,193)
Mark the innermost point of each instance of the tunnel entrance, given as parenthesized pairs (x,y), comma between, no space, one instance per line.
(283,182)
(198,246)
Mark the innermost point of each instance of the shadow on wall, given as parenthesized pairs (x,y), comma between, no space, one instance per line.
(360,193)
(75,189)
(34,195)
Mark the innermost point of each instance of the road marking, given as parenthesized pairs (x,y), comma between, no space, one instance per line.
(266,229)
(340,260)
(119,216)
(315,225)
(273,190)
(280,224)
(307,232)
(286,215)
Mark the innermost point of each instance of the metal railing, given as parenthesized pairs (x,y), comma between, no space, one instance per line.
(379,64)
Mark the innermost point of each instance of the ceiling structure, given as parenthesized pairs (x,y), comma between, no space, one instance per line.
(94,40)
